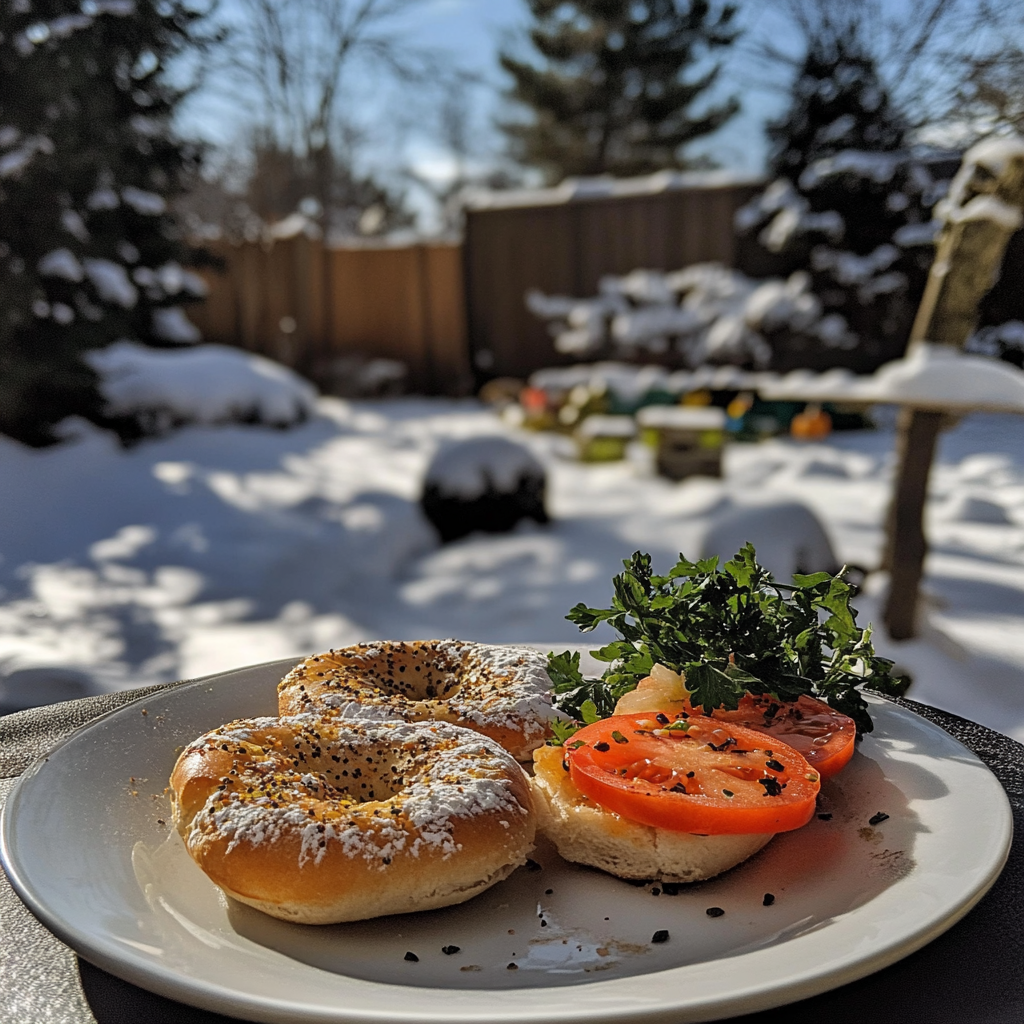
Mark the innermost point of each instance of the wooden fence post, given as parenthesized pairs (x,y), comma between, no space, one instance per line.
(983,210)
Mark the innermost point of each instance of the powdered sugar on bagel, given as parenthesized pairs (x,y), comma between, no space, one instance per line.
(503,691)
(397,787)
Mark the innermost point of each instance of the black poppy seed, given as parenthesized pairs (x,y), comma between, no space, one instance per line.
(775,766)
(727,792)
(548,892)
(655,891)
(877,819)
(512,967)
(661,719)
(449,950)
(714,912)
(768,900)
(824,817)
(661,935)
(412,958)
(690,775)
(602,746)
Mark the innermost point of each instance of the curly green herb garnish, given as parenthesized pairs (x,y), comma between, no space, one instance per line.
(730,631)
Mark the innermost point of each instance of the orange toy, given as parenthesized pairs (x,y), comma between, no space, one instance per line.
(812,424)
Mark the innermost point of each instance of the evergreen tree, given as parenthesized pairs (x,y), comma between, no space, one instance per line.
(89,251)
(617,84)
(851,207)
(838,102)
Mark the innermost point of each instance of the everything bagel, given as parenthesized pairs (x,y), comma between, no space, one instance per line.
(502,691)
(320,820)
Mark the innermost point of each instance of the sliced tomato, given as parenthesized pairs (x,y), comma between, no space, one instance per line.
(693,774)
(824,736)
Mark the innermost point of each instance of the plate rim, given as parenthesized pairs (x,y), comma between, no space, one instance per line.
(741,999)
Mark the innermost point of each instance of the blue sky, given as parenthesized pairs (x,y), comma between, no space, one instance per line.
(472,31)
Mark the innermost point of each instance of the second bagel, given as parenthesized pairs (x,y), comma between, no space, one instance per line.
(503,691)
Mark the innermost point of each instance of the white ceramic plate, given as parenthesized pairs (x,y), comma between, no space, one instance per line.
(88,845)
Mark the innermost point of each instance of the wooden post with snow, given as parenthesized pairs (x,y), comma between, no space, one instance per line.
(983,209)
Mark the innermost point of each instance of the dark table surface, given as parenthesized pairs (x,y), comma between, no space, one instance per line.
(973,974)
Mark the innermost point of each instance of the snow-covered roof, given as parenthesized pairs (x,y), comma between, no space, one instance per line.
(682,417)
(607,426)
(603,187)
(631,382)
(930,377)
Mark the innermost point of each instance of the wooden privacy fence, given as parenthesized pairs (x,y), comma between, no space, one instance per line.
(309,305)
(563,244)
(443,309)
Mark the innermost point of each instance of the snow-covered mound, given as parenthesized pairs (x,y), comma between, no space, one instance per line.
(212,548)
(208,384)
(484,483)
(787,535)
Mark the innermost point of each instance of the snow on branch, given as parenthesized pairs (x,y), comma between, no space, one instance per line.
(707,313)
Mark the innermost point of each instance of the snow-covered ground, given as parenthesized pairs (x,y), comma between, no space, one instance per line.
(222,546)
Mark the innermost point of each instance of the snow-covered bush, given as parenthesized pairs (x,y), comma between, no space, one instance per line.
(150,391)
(703,314)
(485,483)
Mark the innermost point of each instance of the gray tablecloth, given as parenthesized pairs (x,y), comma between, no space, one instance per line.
(974,974)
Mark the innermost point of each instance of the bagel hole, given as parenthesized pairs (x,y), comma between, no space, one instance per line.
(414,675)
(368,774)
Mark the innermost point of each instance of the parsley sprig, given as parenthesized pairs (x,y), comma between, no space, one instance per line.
(729,631)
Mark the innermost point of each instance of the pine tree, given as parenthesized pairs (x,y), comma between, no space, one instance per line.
(89,250)
(851,206)
(618,83)
(838,102)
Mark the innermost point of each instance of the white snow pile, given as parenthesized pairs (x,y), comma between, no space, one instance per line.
(170,323)
(788,215)
(213,548)
(149,204)
(111,282)
(708,313)
(17,151)
(61,263)
(207,384)
(469,469)
(786,534)
(1004,341)
(970,195)
(167,280)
